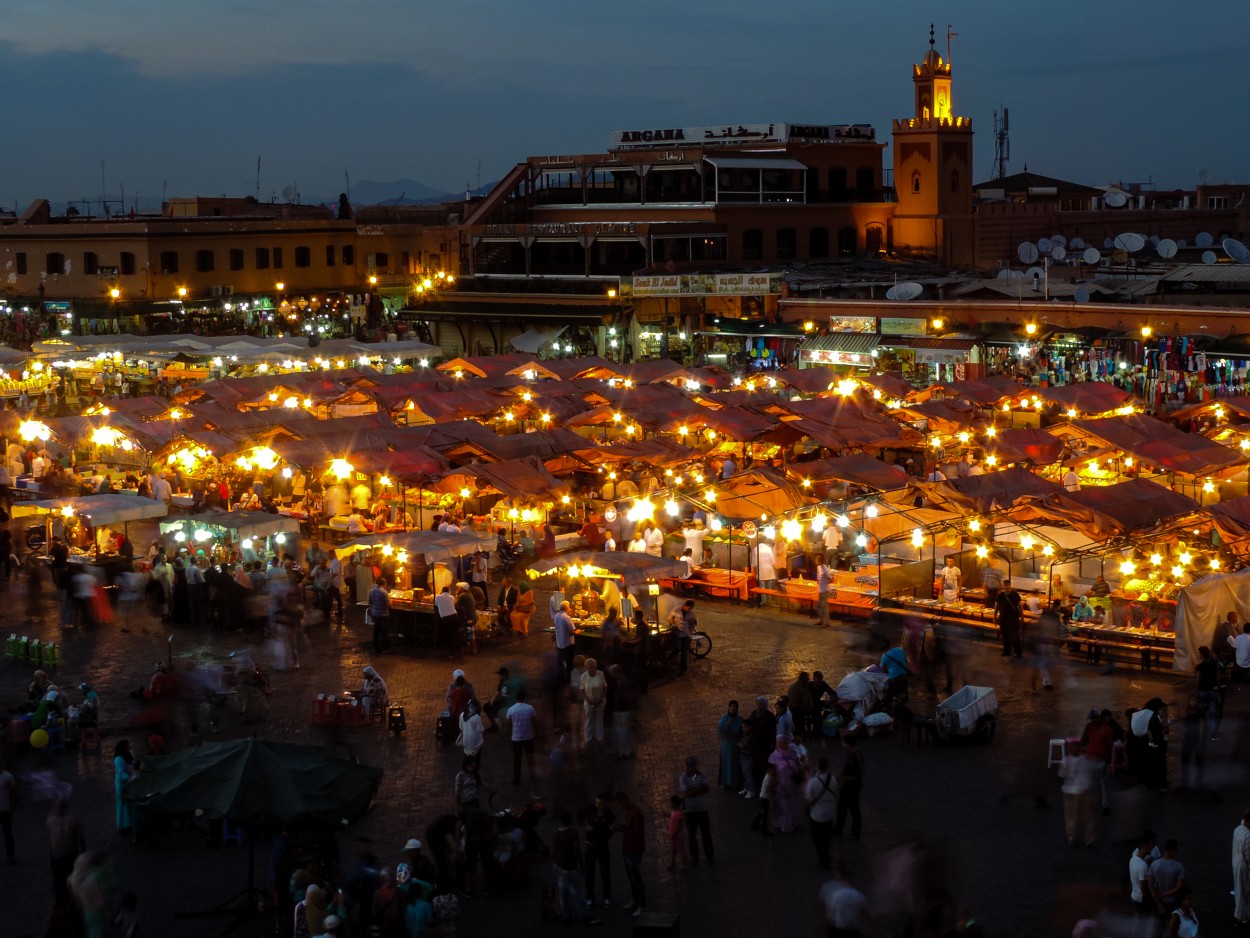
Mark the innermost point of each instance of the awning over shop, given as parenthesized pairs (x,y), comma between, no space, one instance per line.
(757,492)
(990,491)
(241,523)
(1161,444)
(857,469)
(983,391)
(99,510)
(1126,508)
(933,349)
(1088,397)
(1026,444)
(754,162)
(535,340)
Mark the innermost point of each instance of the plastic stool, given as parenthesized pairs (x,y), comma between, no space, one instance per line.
(56,737)
(231,835)
(1056,753)
(1119,759)
(89,736)
(320,711)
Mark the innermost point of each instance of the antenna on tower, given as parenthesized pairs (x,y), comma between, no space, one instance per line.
(258,179)
(950,34)
(1002,145)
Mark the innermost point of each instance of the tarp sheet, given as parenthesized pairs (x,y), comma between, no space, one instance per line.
(858,469)
(240,523)
(1088,397)
(1200,608)
(990,491)
(756,492)
(1131,507)
(1025,444)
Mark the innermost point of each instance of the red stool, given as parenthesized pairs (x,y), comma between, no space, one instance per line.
(350,713)
(321,708)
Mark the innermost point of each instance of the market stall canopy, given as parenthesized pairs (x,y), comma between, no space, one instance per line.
(1088,397)
(1159,443)
(589,366)
(1026,444)
(890,385)
(534,341)
(545,444)
(11,357)
(1126,508)
(857,469)
(435,546)
(515,478)
(637,569)
(257,783)
(492,366)
(1239,405)
(990,491)
(943,415)
(1231,519)
(114,508)
(409,463)
(240,523)
(460,404)
(815,380)
(984,392)
(653,371)
(1200,607)
(757,492)
(738,424)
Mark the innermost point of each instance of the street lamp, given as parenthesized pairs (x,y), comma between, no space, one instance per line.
(115,293)
(1030,328)
(182,293)
(280,286)
(1146,332)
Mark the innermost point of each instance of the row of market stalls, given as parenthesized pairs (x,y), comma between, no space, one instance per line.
(1045,480)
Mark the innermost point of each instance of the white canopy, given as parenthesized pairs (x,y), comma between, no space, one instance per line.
(434,545)
(111,509)
(241,523)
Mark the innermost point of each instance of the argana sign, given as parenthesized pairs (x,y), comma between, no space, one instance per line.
(753,284)
(739,134)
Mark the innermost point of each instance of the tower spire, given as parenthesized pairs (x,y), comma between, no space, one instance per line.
(930,35)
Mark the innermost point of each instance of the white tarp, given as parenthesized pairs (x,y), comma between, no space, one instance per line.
(1202,606)
(535,340)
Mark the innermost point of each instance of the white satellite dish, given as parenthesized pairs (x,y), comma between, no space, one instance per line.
(1108,243)
(1130,241)
(1166,248)
(1043,245)
(1034,272)
(1208,257)
(1091,255)
(1116,198)
(1081,295)
(1027,252)
(907,290)
(1204,240)
(1058,252)
(1236,250)
(1077,244)
(1005,274)
(1059,240)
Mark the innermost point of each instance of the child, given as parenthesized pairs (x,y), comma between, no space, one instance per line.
(676,833)
(766,796)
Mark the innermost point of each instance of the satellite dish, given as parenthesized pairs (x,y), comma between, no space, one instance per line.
(1208,257)
(1027,252)
(1034,272)
(1077,244)
(288,194)
(1043,245)
(1182,243)
(1236,250)
(1081,295)
(1154,239)
(1130,241)
(1166,248)
(1005,274)
(1058,252)
(907,290)
(1116,198)
(1204,240)
(1059,240)
(1091,256)
(1108,243)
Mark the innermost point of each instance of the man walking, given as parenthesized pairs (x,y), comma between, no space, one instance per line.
(685,634)
(1008,612)
(1079,774)
(633,830)
(850,785)
(65,832)
(824,580)
(1167,879)
(566,855)
(523,720)
(693,788)
(822,808)
(8,801)
(564,641)
(1096,742)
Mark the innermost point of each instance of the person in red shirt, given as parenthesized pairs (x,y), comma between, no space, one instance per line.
(1096,742)
(591,535)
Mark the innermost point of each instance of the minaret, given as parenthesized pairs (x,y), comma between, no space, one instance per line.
(933,169)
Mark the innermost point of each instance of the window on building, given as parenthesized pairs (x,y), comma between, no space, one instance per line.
(204,261)
(752,244)
(169,262)
(915,183)
(127,263)
(874,239)
(236,258)
(21,262)
(838,190)
(818,243)
(262,258)
(787,244)
(90,263)
(349,255)
(865,183)
(1217,201)
(381,260)
(405,260)
(954,181)
(277,258)
(303,257)
(55,263)
(330,255)
(846,241)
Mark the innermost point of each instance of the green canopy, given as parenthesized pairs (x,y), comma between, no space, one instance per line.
(257,783)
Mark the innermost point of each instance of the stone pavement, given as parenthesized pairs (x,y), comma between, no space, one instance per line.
(1005,856)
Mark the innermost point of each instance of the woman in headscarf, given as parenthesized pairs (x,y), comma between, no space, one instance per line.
(729,729)
(787,806)
(310,913)
(123,771)
(373,693)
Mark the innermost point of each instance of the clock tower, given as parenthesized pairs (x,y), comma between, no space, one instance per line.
(933,170)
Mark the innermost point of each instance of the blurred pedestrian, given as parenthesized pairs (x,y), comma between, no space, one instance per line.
(8,802)
(1241,870)
(821,796)
(693,787)
(788,796)
(850,787)
(633,830)
(1079,778)
(67,842)
(729,730)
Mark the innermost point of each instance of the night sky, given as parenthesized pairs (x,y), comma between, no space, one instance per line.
(181,97)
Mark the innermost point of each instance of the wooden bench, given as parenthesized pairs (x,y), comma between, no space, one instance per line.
(1145,654)
(840,607)
(703,588)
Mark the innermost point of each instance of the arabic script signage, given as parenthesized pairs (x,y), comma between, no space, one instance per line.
(753,284)
(657,137)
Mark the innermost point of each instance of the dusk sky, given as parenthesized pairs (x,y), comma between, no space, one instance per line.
(183,96)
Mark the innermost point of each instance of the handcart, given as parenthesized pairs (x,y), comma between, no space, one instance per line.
(970,713)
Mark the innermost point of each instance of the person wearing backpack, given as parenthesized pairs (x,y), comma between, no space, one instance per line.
(821,794)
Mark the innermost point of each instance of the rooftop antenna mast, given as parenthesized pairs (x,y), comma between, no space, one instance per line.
(950,34)
(258,179)
(1002,145)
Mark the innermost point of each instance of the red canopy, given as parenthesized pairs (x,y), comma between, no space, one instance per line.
(858,469)
(1025,444)
(1132,507)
